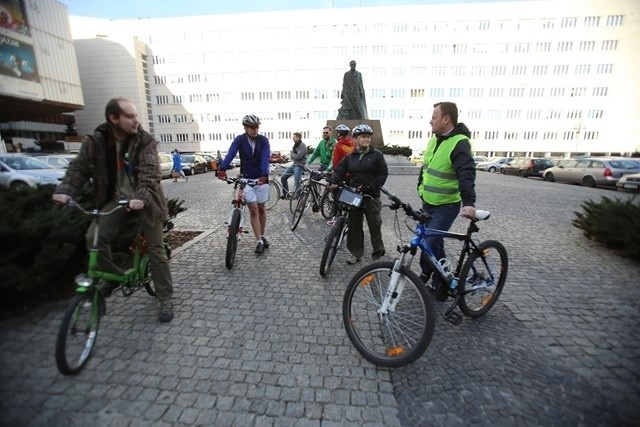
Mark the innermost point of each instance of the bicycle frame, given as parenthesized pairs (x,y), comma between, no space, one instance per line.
(238,203)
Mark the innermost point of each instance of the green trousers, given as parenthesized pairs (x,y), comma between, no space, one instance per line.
(158,263)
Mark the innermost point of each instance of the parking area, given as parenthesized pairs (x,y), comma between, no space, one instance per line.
(263,344)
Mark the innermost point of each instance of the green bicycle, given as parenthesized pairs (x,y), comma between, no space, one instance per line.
(79,329)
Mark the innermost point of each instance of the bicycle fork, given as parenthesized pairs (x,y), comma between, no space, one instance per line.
(395,289)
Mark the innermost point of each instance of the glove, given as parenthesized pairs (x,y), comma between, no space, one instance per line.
(263,180)
(222,175)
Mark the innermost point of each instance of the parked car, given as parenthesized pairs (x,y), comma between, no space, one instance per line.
(277,157)
(19,170)
(212,163)
(58,161)
(493,164)
(592,171)
(629,182)
(480,159)
(166,164)
(526,166)
(235,163)
(193,164)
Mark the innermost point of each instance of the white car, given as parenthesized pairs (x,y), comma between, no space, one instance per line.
(19,171)
(58,161)
(629,182)
(493,164)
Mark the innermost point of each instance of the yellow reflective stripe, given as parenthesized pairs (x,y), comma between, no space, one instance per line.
(440,190)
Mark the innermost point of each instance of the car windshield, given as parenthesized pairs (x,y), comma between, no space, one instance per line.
(624,164)
(188,159)
(24,163)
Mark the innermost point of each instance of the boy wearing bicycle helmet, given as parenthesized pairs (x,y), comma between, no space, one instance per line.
(369,172)
(254,152)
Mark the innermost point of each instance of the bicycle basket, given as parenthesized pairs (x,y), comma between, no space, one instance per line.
(350,198)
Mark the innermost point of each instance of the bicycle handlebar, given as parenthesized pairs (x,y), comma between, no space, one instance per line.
(418,215)
(245,181)
(95,212)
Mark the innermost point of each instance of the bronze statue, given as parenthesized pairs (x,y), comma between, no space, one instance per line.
(354,104)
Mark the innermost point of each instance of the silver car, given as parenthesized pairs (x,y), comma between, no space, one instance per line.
(58,161)
(592,171)
(18,170)
(493,164)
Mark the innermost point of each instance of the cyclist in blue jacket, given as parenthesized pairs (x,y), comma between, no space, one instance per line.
(254,164)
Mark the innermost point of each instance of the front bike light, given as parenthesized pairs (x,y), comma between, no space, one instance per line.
(83,280)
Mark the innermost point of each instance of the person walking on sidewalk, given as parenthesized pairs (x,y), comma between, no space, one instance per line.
(121,160)
(254,164)
(324,150)
(447,180)
(369,172)
(177,167)
(299,157)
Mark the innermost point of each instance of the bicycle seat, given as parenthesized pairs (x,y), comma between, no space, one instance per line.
(482,215)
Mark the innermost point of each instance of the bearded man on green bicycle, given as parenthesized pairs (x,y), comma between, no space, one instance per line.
(121,160)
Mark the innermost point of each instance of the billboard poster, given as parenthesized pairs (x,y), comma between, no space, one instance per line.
(17,59)
(13,17)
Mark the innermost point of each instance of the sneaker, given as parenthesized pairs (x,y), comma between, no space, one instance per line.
(265,242)
(259,248)
(107,287)
(284,197)
(353,259)
(186,179)
(166,312)
(331,222)
(377,255)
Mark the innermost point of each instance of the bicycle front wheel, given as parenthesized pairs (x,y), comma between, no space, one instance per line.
(274,195)
(301,206)
(78,333)
(331,246)
(485,273)
(327,205)
(232,239)
(399,336)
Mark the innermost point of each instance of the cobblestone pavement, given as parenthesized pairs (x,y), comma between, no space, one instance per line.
(263,344)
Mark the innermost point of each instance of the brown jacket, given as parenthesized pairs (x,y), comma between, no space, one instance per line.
(97,160)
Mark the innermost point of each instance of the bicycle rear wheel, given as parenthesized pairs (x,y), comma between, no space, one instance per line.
(232,239)
(274,195)
(301,206)
(398,337)
(327,205)
(485,273)
(331,246)
(78,333)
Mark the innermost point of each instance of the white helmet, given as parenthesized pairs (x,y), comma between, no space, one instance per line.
(360,129)
(342,128)
(250,120)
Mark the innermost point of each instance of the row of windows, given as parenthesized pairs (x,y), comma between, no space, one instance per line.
(472,114)
(400,27)
(434,71)
(531,135)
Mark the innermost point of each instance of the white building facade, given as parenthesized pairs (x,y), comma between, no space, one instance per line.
(550,78)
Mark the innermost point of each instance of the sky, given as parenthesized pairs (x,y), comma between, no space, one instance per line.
(124,9)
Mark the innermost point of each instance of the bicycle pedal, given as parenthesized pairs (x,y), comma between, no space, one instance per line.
(453,318)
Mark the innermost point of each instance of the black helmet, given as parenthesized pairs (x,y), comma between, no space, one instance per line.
(362,129)
(250,120)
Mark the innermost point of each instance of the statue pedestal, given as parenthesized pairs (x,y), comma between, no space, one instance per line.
(376,139)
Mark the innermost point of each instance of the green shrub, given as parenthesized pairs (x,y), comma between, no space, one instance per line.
(43,246)
(396,150)
(614,223)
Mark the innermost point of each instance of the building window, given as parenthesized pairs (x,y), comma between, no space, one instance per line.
(574,114)
(397,93)
(565,46)
(494,114)
(510,135)
(379,72)
(516,92)
(247,96)
(459,70)
(198,137)
(521,48)
(265,96)
(377,114)
(560,70)
(595,114)
(474,114)
(213,117)
(498,70)
(284,115)
(513,114)
(166,137)
(578,91)
(215,137)
(548,23)
(536,92)
(478,70)
(587,45)
(480,49)
(213,97)
(378,93)
(416,93)
(397,114)
(193,78)
(284,94)
(556,91)
(158,59)
(197,118)
(529,135)
(491,134)
(496,92)
(160,80)
(533,114)
(609,44)
(476,92)
(519,70)
(549,136)
(604,68)
(182,137)
(321,94)
(484,25)
(583,68)
(439,48)
(539,70)
(459,49)
(415,134)
(436,92)
(164,119)
(591,21)
(543,47)
(195,98)
(456,92)
(438,71)
(615,20)
(162,99)
(178,99)
(569,22)
(380,50)
(398,71)
(600,91)
(180,118)
(302,94)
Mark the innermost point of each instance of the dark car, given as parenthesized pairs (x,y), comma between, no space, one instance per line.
(526,166)
(193,164)
(212,163)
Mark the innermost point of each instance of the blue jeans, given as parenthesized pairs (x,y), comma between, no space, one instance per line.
(296,171)
(442,218)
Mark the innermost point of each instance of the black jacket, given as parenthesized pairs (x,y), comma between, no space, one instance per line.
(368,170)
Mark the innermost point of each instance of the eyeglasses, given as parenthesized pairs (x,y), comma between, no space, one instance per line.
(325,133)
(253,127)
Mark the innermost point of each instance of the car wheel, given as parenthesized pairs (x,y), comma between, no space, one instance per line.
(205,169)
(588,181)
(549,177)
(492,169)
(192,171)
(523,174)
(16,185)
